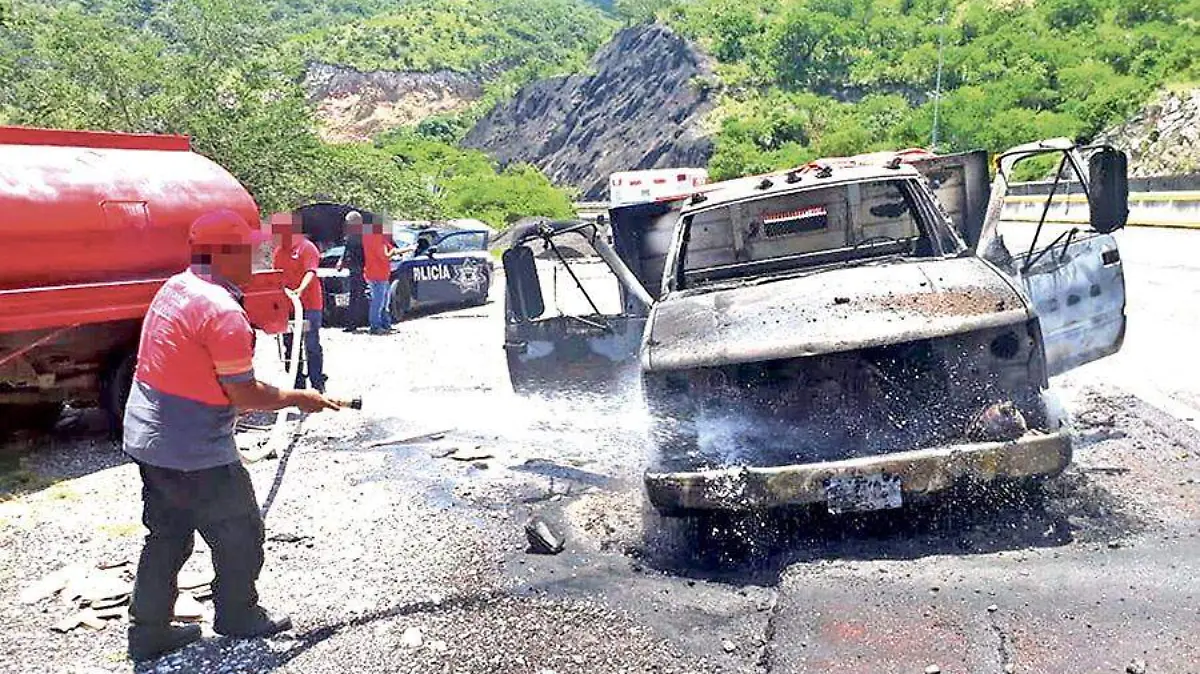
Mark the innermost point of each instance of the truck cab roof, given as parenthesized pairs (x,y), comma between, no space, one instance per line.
(819,173)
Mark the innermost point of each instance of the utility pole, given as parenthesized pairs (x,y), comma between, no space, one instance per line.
(937,93)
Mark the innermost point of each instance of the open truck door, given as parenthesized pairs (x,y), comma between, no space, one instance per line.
(961,183)
(587,340)
(1076,281)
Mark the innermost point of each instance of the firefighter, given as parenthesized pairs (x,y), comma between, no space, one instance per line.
(194,371)
(299,259)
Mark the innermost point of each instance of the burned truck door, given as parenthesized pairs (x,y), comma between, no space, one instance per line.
(1077,282)
(961,184)
(642,235)
(591,350)
(1077,285)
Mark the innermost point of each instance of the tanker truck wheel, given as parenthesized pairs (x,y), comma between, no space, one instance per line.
(40,417)
(115,391)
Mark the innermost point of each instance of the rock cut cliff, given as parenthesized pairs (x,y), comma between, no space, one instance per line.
(640,107)
(354,106)
(1163,138)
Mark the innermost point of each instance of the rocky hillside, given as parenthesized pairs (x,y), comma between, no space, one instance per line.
(354,106)
(641,107)
(1163,138)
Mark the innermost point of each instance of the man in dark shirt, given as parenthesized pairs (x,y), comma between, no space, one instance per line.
(194,370)
(354,259)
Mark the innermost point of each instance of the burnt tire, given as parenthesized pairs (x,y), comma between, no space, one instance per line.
(676,540)
(117,384)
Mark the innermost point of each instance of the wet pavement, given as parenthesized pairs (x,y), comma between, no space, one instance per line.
(402,558)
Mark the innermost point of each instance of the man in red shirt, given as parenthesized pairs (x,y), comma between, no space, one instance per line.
(299,258)
(377,254)
(194,370)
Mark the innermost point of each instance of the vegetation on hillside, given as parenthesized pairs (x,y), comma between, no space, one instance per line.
(806,78)
(468,184)
(483,37)
(214,70)
(505,43)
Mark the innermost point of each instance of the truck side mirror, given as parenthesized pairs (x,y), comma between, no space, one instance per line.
(1108,190)
(524,290)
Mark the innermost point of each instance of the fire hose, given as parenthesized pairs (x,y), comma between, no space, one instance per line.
(280,435)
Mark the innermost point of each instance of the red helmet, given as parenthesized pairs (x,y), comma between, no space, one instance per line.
(224,227)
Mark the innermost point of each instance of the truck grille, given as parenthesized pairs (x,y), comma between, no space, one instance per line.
(861,403)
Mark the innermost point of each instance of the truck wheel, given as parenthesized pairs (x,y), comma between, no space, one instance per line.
(117,384)
(39,417)
(675,541)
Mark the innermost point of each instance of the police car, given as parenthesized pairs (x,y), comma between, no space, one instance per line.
(440,268)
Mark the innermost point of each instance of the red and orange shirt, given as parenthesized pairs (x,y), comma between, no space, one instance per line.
(377,265)
(296,261)
(195,336)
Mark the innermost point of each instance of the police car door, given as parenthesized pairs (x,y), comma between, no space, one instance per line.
(451,275)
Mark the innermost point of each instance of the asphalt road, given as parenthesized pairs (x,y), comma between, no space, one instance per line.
(1101,574)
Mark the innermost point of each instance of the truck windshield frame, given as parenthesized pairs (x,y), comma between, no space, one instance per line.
(814,226)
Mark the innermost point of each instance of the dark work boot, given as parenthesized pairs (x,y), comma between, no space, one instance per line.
(147,642)
(259,623)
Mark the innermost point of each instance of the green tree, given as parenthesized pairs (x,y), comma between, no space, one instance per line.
(640,11)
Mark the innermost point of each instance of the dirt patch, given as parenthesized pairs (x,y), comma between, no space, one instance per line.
(354,106)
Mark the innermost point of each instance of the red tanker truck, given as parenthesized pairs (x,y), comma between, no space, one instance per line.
(91,224)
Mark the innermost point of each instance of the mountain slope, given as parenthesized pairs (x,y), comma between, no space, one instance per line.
(1163,138)
(641,107)
(436,57)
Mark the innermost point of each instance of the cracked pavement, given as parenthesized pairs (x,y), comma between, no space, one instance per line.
(392,559)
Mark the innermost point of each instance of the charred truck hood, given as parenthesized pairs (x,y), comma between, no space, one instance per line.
(829,311)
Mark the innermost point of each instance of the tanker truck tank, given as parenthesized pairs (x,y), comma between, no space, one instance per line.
(91,225)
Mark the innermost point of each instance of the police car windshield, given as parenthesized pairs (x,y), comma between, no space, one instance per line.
(807,228)
(460,242)
(404,237)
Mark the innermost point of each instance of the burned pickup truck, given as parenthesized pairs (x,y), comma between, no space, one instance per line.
(854,332)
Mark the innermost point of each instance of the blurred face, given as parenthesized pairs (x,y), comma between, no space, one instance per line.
(233,262)
(283,228)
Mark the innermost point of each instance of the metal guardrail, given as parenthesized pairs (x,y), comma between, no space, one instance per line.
(1176,183)
(1146,209)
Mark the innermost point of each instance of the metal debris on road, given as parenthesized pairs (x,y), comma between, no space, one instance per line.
(98,594)
(1137,666)
(50,585)
(287,537)
(470,455)
(86,618)
(542,539)
(404,440)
